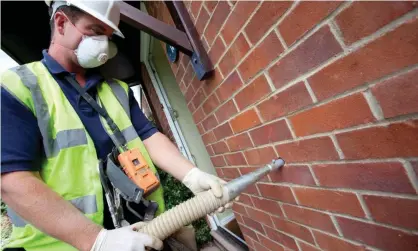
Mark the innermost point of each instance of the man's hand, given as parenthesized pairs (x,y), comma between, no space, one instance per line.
(198,181)
(125,239)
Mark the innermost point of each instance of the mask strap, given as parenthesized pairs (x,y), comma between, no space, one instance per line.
(63,46)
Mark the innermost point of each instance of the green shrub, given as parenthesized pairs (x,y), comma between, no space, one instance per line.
(175,193)
(3,207)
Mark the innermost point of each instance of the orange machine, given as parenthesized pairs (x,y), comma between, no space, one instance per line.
(138,170)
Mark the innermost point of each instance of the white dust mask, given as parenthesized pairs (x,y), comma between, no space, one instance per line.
(94,51)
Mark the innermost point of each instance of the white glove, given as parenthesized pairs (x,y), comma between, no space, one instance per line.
(125,239)
(198,181)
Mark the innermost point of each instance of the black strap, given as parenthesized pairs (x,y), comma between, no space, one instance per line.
(118,139)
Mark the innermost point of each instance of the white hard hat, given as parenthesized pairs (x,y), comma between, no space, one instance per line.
(106,11)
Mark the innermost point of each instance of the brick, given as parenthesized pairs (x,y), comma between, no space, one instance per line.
(260,216)
(180,74)
(218,161)
(328,242)
(212,82)
(229,87)
(189,93)
(252,189)
(377,236)
(211,5)
(248,231)
(260,156)
(201,21)
(290,100)
(371,62)
(271,245)
(308,150)
(250,242)
(210,104)
(237,19)
(253,92)
(198,98)
(306,247)
(268,50)
(220,147)
(277,192)
(218,18)
(361,19)
(385,177)
(195,8)
(310,218)
(394,140)
(293,174)
(398,95)
(200,128)
(235,53)
(271,133)
(253,224)
(230,173)
(264,18)
(267,205)
(209,123)
(313,52)
(226,111)
(183,89)
(341,113)
(198,115)
(222,131)
(216,50)
(188,76)
(245,121)
(187,4)
(239,208)
(334,201)
(246,199)
(303,18)
(281,238)
(415,167)
(235,159)
(239,142)
(208,138)
(394,211)
(191,107)
(293,229)
(210,151)
(246,170)
(259,247)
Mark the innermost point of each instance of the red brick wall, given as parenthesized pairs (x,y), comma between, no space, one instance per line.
(332,88)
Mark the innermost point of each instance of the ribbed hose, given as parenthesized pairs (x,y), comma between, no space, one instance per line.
(183,214)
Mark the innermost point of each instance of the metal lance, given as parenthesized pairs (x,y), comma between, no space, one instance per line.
(204,203)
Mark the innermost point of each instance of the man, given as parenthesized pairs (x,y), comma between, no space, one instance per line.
(52,139)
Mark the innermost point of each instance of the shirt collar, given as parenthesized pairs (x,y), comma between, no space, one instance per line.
(53,66)
(93,76)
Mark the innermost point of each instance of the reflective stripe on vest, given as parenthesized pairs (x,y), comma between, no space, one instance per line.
(86,204)
(70,168)
(63,139)
(121,95)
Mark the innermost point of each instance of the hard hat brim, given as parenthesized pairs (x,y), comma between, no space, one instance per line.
(99,17)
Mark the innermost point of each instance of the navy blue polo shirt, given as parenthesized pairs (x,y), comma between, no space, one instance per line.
(21,140)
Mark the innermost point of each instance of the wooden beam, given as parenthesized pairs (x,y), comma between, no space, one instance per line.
(200,59)
(155,27)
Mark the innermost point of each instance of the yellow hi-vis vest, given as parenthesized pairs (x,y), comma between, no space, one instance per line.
(71,164)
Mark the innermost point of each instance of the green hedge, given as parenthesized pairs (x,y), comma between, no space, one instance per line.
(175,193)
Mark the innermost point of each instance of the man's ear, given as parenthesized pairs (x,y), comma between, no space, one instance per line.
(59,22)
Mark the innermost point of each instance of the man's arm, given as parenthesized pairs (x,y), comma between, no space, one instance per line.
(166,156)
(31,198)
(21,188)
